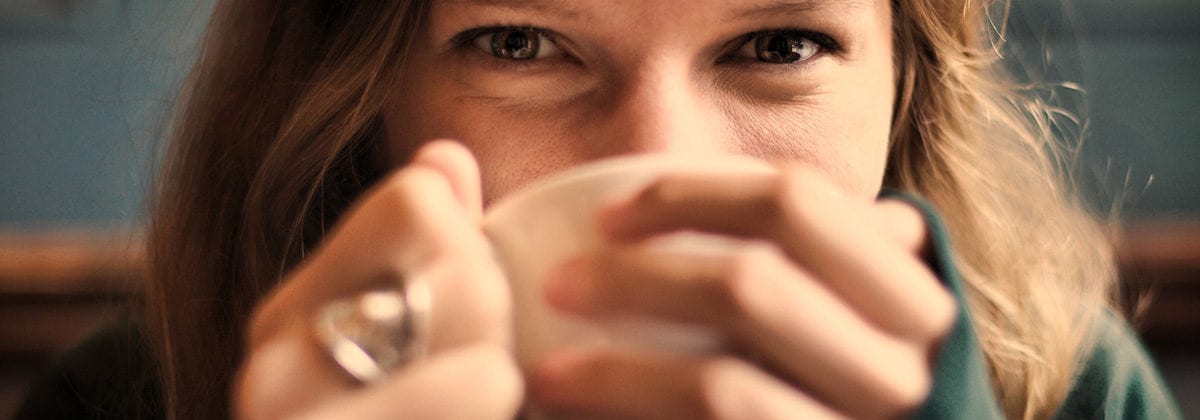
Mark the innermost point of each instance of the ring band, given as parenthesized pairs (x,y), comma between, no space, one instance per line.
(378,331)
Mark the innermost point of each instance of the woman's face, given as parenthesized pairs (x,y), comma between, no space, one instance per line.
(535,86)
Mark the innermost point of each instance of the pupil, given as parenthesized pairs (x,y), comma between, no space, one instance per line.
(514,45)
(516,41)
(779,49)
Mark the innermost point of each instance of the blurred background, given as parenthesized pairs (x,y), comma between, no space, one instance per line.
(85,85)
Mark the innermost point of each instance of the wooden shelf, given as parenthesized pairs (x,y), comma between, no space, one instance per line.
(70,263)
(57,288)
(1160,272)
(55,284)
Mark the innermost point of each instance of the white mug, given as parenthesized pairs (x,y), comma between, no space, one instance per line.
(537,228)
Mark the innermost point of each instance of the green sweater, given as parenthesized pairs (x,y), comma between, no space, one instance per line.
(1118,381)
(109,376)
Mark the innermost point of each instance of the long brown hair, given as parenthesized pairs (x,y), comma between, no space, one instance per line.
(280,123)
(273,140)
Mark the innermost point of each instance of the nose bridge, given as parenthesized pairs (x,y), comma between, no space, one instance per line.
(658,108)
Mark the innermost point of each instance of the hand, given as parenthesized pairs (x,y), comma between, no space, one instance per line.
(826,301)
(420,222)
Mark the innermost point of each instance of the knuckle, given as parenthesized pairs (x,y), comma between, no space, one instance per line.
(743,278)
(258,391)
(939,312)
(599,370)
(721,387)
(470,306)
(802,195)
(417,204)
(948,313)
(257,330)
(906,385)
(482,378)
(407,188)
(898,212)
(264,322)
(799,182)
(399,188)
(495,371)
(663,191)
(907,398)
(943,313)
(392,199)
(489,292)
(804,179)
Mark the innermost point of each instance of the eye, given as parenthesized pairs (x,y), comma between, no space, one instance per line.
(517,44)
(783,47)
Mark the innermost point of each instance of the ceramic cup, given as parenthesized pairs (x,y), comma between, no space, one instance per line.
(535,229)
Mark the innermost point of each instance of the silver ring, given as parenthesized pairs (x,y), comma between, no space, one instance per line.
(378,331)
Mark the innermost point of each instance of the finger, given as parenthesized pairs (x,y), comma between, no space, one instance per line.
(410,227)
(283,379)
(366,247)
(826,232)
(661,386)
(769,308)
(680,200)
(456,163)
(477,382)
(903,223)
(285,375)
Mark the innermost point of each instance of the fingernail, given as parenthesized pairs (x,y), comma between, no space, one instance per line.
(612,219)
(557,363)
(567,287)
(552,373)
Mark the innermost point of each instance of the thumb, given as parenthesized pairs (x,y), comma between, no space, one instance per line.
(457,164)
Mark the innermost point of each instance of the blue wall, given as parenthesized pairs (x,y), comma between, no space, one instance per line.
(82,92)
(83,86)
(1138,65)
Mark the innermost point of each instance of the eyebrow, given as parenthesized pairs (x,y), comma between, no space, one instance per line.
(556,7)
(760,10)
(770,8)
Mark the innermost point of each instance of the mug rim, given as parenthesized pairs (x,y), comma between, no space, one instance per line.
(661,162)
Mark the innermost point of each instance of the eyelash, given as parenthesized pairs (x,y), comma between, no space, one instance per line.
(466,39)
(827,44)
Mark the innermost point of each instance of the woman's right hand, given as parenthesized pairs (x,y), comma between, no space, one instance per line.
(422,222)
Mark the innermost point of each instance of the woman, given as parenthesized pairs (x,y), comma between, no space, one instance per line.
(303,169)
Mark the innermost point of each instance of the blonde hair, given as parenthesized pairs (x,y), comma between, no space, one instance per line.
(1037,266)
(280,121)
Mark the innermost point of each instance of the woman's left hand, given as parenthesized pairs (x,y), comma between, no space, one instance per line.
(827,302)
